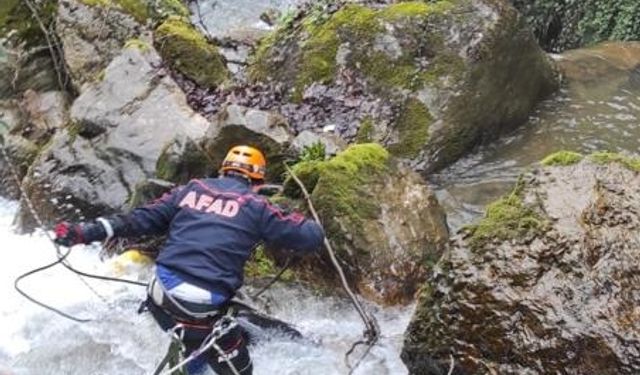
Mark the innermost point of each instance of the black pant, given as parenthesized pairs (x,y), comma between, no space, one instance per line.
(233,344)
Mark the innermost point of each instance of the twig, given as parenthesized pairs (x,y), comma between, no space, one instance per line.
(201,21)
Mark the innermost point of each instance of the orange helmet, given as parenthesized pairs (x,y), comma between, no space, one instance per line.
(246,160)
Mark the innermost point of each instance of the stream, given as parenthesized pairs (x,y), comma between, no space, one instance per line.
(120,341)
(597,109)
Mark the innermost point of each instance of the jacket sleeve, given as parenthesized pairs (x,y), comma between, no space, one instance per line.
(290,231)
(153,218)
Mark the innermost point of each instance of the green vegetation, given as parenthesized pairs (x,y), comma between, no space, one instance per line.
(138,9)
(314,152)
(321,47)
(412,128)
(611,157)
(565,24)
(507,218)
(358,29)
(365,131)
(189,52)
(562,158)
(137,44)
(6,9)
(260,265)
(339,186)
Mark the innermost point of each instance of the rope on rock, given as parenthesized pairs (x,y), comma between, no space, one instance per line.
(372,330)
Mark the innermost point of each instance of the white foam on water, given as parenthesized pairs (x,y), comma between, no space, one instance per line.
(120,341)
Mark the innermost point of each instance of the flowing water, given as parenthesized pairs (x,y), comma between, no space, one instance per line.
(119,341)
(598,109)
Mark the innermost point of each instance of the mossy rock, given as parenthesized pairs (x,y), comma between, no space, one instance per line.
(551,242)
(442,95)
(315,58)
(189,52)
(562,158)
(507,218)
(629,162)
(382,221)
(338,185)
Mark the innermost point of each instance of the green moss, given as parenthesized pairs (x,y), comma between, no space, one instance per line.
(365,131)
(138,9)
(137,44)
(562,158)
(188,51)
(260,265)
(314,152)
(6,8)
(97,3)
(319,37)
(321,47)
(406,9)
(505,219)
(172,7)
(611,157)
(339,186)
(385,71)
(412,128)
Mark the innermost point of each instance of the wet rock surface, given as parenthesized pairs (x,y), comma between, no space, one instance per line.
(546,283)
(91,37)
(119,128)
(427,83)
(24,68)
(236,125)
(382,220)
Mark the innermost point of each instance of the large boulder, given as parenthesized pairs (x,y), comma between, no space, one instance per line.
(546,283)
(383,221)
(119,128)
(428,80)
(91,36)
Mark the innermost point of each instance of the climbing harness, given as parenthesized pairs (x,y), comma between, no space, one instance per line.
(372,330)
(221,327)
(62,257)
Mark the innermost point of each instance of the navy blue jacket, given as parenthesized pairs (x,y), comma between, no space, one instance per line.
(213,226)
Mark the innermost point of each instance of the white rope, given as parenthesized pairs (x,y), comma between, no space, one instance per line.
(208,343)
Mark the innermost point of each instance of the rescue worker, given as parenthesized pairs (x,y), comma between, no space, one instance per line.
(213,225)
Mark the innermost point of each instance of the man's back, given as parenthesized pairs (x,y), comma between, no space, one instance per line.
(215,225)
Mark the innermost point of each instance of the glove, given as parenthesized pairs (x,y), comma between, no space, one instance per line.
(68,234)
